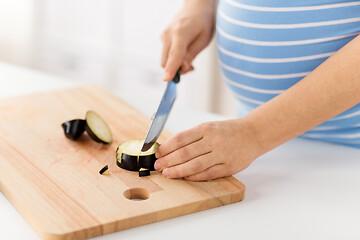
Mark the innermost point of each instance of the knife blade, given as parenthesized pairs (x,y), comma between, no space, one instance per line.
(162,113)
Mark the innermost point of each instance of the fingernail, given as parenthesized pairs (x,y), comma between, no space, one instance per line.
(167,76)
(157,155)
(165,173)
(157,165)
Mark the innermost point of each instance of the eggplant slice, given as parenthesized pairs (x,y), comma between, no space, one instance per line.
(130,157)
(104,170)
(143,172)
(97,128)
(74,128)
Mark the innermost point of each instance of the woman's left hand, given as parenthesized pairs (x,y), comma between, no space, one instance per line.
(210,150)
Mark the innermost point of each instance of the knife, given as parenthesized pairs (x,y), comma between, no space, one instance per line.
(162,113)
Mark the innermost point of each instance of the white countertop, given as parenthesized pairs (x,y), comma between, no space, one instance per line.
(301,190)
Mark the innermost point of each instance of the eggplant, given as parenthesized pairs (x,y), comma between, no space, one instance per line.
(93,124)
(143,172)
(97,128)
(130,157)
(74,128)
(104,170)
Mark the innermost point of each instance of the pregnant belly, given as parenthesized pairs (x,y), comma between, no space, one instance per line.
(265,47)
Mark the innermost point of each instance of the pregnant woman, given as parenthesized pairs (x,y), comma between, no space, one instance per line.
(294,64)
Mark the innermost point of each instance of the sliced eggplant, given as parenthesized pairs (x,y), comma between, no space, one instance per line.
(104,170)
(97,128)
(74,128)
(143,172)
(130,157)
(127,162)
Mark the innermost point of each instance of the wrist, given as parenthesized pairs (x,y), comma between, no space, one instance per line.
(207,5)
(266,132)
(248,135)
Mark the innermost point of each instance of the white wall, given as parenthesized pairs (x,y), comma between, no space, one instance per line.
(16,29)
(115,43)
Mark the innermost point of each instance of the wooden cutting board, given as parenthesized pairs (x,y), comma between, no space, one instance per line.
(54,182)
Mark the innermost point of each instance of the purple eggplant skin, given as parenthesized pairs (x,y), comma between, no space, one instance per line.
(147,162)
(130,163)
(73,129)
(144,173)
(104,169)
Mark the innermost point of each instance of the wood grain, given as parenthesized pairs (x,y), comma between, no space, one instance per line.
(54,182)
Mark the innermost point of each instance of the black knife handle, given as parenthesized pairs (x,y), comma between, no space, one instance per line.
(176,79)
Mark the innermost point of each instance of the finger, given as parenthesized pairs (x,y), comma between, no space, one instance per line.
(178,141)
(195,48)
(165,49)
(189,168)
(216,171)
(175,58)
(164,53)
(182,155)
(186,67)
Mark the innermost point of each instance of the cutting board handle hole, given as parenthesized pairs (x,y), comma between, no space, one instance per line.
(137,194)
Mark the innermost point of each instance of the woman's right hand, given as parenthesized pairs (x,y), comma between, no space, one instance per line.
(189,33)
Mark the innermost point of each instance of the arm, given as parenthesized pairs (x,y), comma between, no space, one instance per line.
(219,149)
(329,90)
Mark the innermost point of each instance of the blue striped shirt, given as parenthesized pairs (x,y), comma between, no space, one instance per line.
(266,46)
